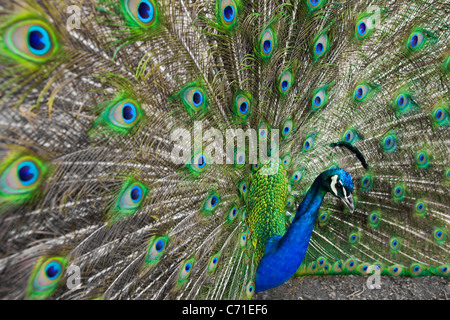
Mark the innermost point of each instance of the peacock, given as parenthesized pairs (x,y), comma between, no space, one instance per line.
(212,149)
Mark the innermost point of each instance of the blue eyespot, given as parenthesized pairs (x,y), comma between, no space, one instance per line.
(27,172)
(159,246)
(123,115)
(213,201)
(201,161)
(132,197)
(197,98)
(308,144)
(319,48)
(242,105)
(296,176)
(53,270)
(350,136)
(129,113)
(401,101)
(145,11)
(416,40)
(389,143)
(287,126)
(267,46)
(362,28)
(136,194)
(361,92)
(267,43)
(39,40)
(319,99)
(240,158)
(439,235)
(440,116)
(351,264)
(228,13)
(284,85)
(394,244)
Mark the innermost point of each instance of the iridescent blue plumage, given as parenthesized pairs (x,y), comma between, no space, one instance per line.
(284,255)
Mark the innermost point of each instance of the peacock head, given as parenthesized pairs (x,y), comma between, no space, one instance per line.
(339,183)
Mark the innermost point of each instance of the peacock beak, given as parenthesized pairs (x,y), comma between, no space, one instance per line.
(348,200)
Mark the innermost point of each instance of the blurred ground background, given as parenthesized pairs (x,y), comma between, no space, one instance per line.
(354,288)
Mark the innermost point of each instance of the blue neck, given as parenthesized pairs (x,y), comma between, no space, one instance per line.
(284,255)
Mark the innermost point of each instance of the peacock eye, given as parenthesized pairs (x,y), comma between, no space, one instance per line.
(142,12)
(394,244)
(287,127)
(22,176)
(308,144)
(285,82)
(363,28)
(319,99)
(185,270)
(32,40)
(290,202)
(314,4)
(250,290)
(199,163)
(228,12)
(243,188)
(242,105)
(156,249)
(439,235)
(416,40)
(211,203)
(267,43)
(321,46)
(45,278)
(132,197)
(361,92)
(232,214)
(243,239)
(421,208)
(213,262)
(353,238)
(350,136)
(287,160)
(366,182)
(239,159)
(389,143)
(422,160)
(296,176)
(262,130)
(374,218)
(124,114)
(440,116)
(194,99)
